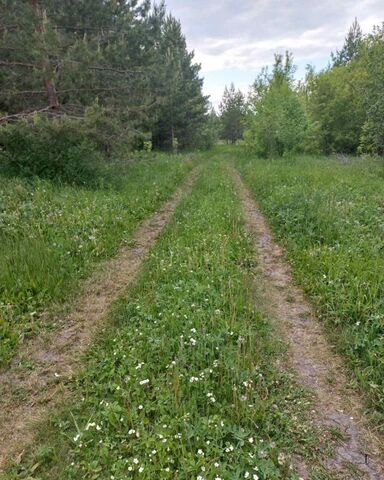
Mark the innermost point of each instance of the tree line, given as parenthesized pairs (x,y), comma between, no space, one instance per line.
(97,74)
(337,110)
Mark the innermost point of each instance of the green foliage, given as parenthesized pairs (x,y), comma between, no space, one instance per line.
(53,149)
(339,110)
(186,385)
(329,215)
(372,59)
(232,114)
(345,101)
(335,104)
(183,108)
(277,122)
(127,61)
(351,48)
(52,236)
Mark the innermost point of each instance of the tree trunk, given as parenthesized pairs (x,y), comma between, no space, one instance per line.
(49,84)
(53,101)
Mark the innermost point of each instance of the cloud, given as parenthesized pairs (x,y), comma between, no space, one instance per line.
(243,36)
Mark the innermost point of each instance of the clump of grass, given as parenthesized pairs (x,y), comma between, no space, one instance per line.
(51,236)
(185,386)
(330,218)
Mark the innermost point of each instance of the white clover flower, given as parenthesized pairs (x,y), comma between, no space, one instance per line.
(250,439)
(217,464)
(246,475)
(135,461)
(141,469)
(140,407)
(200,452)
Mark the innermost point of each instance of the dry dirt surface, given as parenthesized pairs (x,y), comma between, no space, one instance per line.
(318,367)
(27,395)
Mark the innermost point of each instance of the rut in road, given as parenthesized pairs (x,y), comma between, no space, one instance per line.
(318,367)
(27,396)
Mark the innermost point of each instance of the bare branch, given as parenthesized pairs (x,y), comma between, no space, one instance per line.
(18,64)
(24,92)
(106,68)
(18,116)
(115,70)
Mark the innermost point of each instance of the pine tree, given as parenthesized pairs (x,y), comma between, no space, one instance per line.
(232,114)
(352,44)
(183,109)
(124,59)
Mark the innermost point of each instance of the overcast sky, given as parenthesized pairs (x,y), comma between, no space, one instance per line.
(234,39)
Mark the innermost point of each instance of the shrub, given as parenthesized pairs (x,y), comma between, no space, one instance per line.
(55,149)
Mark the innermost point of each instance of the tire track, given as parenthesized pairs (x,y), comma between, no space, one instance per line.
(317,366)
(26,396)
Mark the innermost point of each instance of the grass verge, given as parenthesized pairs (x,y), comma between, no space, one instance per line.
(52,236)
(329,216)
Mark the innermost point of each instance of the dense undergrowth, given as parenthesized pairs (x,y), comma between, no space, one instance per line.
(329,215)
(51,236)
(184,385)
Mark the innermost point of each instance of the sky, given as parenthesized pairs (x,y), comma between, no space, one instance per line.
(233,39)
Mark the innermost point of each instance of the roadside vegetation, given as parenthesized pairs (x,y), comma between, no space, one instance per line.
(185,384)
(336,110)
(328,212)
(52,235)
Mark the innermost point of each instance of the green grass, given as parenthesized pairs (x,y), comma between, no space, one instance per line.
(330,216)
(52,236)
(184,384)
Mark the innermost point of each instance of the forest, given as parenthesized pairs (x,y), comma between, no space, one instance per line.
(189,289)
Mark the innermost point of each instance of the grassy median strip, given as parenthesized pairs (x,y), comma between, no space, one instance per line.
(329,215)
(185,385)
(51,236)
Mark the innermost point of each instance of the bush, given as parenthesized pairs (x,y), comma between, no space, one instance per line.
(372,137)
(55,149)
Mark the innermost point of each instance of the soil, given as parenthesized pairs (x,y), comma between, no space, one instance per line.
(27,394)
(312,356)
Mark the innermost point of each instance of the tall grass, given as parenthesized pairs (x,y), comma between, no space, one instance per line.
(51,236)
(330,216)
